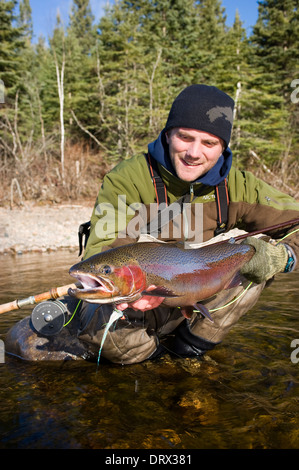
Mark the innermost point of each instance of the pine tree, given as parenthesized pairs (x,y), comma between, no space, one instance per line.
(81,78)
(120,60)
(149,52)
(275,45)
(25,19)
(81,24)
(211,34)
(231,75)
(12,44)
(27,95)
(171,27)
(12,72)
(276,38)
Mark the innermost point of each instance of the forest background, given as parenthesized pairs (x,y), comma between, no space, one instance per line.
(94,94)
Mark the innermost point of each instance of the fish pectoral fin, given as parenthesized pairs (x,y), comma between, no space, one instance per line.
(204,311)
(159,292)
(187,311)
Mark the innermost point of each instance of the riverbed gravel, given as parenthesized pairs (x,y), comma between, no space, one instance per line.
(41,228)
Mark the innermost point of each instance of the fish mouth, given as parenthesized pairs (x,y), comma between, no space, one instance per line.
(92,287)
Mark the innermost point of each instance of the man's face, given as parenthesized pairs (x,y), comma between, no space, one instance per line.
(193,153)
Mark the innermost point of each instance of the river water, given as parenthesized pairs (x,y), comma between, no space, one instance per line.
(244,395)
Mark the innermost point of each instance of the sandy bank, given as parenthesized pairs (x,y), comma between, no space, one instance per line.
(34,228)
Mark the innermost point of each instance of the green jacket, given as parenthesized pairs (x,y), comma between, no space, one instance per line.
(128,188)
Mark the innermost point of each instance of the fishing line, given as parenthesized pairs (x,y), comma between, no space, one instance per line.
(234,300)
(291,233)
(73,314)
(116,315)
(230,302)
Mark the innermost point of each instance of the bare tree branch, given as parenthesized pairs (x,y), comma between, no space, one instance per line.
(87,132)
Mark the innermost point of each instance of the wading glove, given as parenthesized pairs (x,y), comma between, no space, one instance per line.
(266,262)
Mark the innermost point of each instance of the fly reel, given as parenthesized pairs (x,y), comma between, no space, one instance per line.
(48,318)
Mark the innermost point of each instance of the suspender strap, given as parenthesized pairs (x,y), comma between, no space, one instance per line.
(160,189)
(222,201)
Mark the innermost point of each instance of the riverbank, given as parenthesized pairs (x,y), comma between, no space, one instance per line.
(41,228)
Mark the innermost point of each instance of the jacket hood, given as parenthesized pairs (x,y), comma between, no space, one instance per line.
(159,151)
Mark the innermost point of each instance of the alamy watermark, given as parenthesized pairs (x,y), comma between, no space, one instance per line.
(2,92)
(2,352)
(176,221)
(295,353)
(295,93)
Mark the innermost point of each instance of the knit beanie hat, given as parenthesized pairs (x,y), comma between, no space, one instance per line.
(205,108)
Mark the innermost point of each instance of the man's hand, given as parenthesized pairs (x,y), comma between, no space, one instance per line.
(266,262)
(146,302)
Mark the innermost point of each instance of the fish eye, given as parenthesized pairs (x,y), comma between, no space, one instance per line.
(106,269)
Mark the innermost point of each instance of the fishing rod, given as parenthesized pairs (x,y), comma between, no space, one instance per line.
(57,292)
(264,230)
(53,293)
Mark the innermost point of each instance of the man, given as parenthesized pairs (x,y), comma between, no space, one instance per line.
(188,166)
(193,157)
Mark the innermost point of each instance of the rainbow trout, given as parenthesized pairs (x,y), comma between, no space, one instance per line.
(184,277)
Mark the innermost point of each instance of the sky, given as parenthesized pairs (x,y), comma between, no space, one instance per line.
(44,13)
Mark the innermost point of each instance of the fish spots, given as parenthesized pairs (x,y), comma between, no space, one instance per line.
(183,276)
